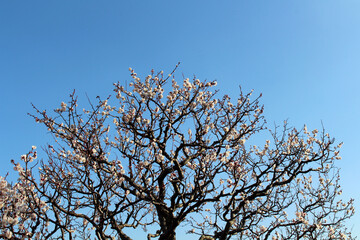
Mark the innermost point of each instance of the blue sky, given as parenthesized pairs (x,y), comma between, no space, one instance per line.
(304,56)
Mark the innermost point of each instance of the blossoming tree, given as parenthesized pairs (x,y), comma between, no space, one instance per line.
(165,154)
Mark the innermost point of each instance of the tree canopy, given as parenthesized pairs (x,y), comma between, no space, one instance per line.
(165,155)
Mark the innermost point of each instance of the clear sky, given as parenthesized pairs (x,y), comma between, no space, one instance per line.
(304,56)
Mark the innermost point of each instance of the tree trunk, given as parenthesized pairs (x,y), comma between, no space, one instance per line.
(168,223)
(169,235)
